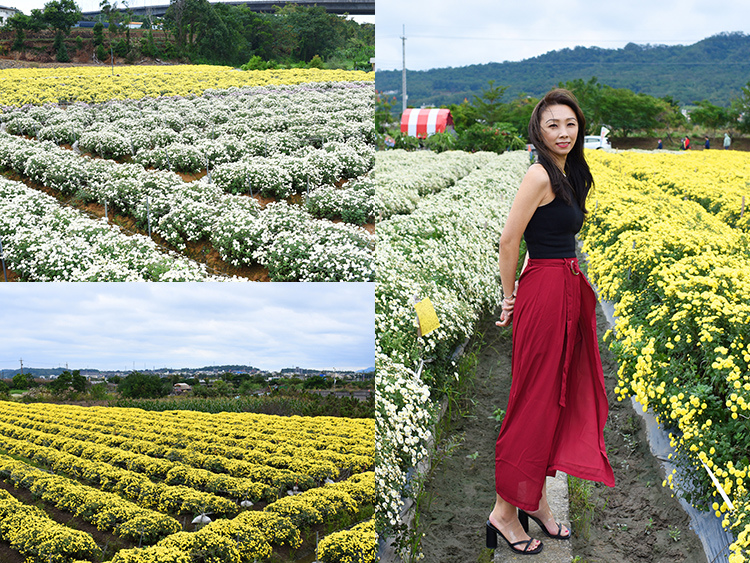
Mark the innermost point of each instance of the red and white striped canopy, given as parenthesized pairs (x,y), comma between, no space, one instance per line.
(426,121)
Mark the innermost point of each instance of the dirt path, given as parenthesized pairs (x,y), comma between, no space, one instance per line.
(635,522)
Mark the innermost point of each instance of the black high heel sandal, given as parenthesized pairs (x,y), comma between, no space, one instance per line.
(493,532)
(524,518)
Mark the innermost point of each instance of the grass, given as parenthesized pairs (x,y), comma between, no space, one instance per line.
(582,507)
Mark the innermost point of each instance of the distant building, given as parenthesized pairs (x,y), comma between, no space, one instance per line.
(6,14)
(180,388)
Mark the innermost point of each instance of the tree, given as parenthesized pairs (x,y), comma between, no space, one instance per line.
(148,45)
(139,385)
(383,112)
(709,116)
(625,111)
(61,15)
(78,382)
(518,112)
(314,31)
(60,48)
(741,109)
(211,41)
(489,107)
(23,381)
(98,37)
(60,385)
(183,17)
(672,117)
(317,382)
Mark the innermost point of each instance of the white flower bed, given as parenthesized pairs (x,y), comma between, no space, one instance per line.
(43,241)
(446,249)
(273,140)
(306,250)
(353,202)
(293,245)
(215,128)
(405,179)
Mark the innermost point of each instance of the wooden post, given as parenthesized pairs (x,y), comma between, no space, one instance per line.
(2,258)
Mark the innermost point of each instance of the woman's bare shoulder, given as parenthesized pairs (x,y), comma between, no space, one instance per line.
(537,174)
(536,180)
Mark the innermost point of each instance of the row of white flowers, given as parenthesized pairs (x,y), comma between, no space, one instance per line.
(43,241)
(286,239)
(445,250)
(354,202)
(260,121)
(404,180)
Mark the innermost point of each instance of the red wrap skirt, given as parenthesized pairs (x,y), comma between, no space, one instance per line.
(558,402)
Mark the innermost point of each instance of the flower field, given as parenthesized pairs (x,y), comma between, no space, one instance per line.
(261,484)
(94,84)
(667,242)
(445,215)
(273,176)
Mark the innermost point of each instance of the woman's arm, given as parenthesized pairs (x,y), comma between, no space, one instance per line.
(535,190)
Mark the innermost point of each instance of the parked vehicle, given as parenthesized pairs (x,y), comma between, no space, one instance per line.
(596,142)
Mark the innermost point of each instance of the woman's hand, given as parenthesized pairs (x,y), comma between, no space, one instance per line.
(508,305)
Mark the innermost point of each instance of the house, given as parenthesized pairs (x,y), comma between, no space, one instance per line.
(180,388)
(7,13)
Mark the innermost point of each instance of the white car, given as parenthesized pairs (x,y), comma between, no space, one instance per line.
(596,142)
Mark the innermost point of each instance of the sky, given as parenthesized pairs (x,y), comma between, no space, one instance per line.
(114,326)
(442,33)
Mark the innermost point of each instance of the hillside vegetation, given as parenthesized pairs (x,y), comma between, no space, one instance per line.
(713,69)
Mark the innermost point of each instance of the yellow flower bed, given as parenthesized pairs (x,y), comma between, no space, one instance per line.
(680,277)
(99,84)
(718,180)
(358,545)
(153,469)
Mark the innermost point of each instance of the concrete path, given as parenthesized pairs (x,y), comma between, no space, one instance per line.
(555,551)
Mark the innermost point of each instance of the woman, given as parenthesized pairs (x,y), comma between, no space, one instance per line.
(558,404)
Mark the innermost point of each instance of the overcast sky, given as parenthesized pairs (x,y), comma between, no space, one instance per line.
(442,33)
(113,326)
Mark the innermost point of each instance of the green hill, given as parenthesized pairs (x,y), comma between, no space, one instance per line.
(715,69)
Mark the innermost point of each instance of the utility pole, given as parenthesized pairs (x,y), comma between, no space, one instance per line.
(21,367)
(404,96)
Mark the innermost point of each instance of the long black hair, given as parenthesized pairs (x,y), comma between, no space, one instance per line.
(577,179)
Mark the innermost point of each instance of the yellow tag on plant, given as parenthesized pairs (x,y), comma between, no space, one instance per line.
(428,319)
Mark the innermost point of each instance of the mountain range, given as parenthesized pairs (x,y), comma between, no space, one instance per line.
(713,69)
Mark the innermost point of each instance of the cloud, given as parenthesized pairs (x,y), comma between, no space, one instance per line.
(121,326)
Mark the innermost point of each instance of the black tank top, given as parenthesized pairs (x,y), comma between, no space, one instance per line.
(552,229)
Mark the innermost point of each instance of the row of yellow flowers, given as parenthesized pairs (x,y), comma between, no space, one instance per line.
(172,499)
(184,438)
(40,539)
(718,180)
(358,545)
(680,279)
(106,511)
(239,430)
(248,537)
(95,84)
(281,521)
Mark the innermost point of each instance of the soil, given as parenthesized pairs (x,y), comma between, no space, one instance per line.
(634,522)
(39,51)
